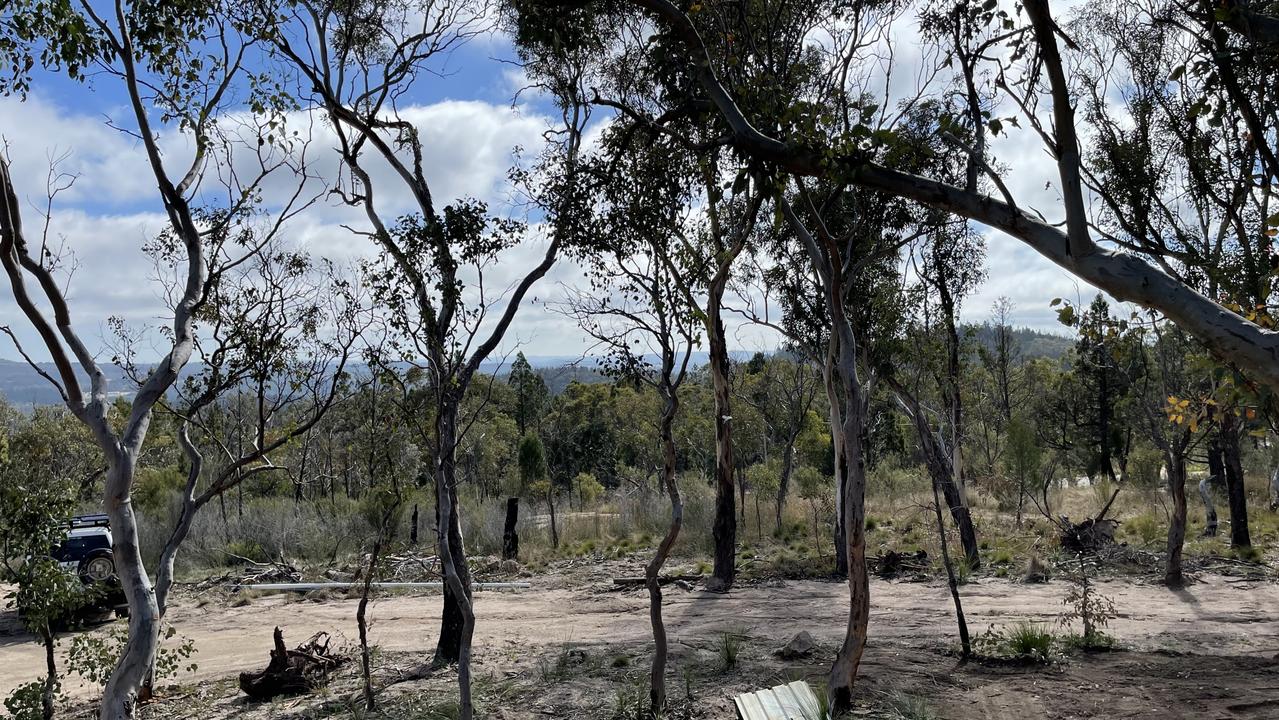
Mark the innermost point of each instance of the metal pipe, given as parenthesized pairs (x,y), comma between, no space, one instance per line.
(304,587)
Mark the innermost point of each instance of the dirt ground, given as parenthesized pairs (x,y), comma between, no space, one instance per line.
(1208,651)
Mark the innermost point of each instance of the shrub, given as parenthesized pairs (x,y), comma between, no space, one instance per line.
(1091,608)
(1146,528)
(94,657)
(26,702)
(729,648)
(1030,641)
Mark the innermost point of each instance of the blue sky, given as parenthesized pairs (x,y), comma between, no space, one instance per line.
(471,126)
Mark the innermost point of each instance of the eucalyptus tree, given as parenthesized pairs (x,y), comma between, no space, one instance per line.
(638,312)
(359,64)
(949,267)
(1184,168)
(1170,398)
(702,264)
(180,67)
(275,334)
(782,391)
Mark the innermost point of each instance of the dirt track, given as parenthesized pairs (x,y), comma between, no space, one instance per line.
(1222,617)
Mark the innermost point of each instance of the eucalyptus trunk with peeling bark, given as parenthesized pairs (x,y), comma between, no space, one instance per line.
(837,446)
(724,527)
(851,428)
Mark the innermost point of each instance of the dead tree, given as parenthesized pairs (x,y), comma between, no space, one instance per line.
(510,538)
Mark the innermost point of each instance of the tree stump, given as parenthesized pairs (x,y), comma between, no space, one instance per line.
(511,539)
(292,672)
(413,528)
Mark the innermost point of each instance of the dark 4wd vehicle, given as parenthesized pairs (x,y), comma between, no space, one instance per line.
(86,551)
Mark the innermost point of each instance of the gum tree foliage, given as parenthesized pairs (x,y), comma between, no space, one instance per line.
(180,66)
(1034,74)
(644,322)
(1181,178)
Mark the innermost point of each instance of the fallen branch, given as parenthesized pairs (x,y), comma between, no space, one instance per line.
(663,580)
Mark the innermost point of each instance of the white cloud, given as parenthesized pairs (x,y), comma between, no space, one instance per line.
(113,209)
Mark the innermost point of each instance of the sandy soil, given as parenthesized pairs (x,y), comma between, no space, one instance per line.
(1208,651)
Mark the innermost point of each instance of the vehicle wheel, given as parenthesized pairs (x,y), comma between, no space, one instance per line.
(97,567)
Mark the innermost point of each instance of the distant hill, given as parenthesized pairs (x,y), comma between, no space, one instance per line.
(1030,343)
(23,387)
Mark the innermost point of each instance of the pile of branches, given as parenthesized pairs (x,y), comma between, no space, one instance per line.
(252,573)
(275,571)
(407,567)
(295,671)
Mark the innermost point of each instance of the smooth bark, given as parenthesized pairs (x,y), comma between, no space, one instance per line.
(851,429)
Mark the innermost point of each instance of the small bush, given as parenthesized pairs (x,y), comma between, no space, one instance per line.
(904,706)
(26,702)
(1030,641)
(729,648)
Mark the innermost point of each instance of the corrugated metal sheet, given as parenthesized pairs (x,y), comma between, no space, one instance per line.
(793,701)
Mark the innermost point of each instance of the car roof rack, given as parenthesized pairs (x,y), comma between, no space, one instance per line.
(84,521)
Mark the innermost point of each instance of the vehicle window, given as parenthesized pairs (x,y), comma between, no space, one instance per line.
(75,548)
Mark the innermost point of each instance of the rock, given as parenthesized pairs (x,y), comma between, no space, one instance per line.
(800,646)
